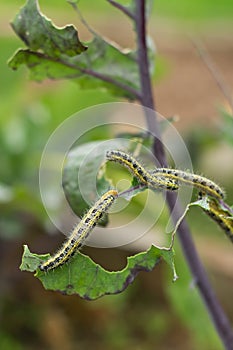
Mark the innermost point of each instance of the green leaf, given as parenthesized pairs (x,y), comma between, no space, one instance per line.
(220,207)
(111,62)
(30,261)
(42,67)
(84,176)
(89,280)
(40,35)
(219,211)
(57,53)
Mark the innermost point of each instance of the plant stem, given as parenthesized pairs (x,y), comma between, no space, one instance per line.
(200,277)
(122,8)
(146,89)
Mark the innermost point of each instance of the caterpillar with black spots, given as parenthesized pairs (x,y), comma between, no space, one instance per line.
(137,170)
(221,217)
(80,232)
(203,184)
(165,178)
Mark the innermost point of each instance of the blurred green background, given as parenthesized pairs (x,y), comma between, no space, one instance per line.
(153,312)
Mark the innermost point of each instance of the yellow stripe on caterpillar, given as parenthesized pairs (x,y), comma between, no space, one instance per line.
(137,170)
(221,217)
(80,232)
(182,177)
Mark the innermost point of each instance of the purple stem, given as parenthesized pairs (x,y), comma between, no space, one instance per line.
(122,8)
(219,318)
(226,206)
(130,190)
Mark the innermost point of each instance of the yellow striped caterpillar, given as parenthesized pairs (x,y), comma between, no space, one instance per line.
(80,232)
(222,217)
(203,184)
(137,170)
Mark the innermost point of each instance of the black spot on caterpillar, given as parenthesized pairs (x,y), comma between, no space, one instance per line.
(137,170)
(221,217)
(203,184)
(80,232)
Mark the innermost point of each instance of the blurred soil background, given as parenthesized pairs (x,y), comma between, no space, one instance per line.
(153,312)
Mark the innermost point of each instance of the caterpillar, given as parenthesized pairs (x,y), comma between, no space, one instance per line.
(203,184)
(165,178)
(137,170)
(80,232)
(221,217)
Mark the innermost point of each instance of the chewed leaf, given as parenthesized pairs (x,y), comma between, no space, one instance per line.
(30,261)
(83,277)
(42,67)
(219,211)
(57,53)
(41,35)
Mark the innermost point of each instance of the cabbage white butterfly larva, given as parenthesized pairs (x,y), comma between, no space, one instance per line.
(80,232)
(144,176)
(203,184)
(223,218)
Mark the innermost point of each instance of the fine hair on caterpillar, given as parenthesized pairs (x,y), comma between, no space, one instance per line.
(221,217)
(80,232)
(203,184)
(138,171)
(165,178)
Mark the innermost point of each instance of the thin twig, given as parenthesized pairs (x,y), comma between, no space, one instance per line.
(200,277)
(226,207)
(131,190)
(122,8)
(82,19)
(213,69)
